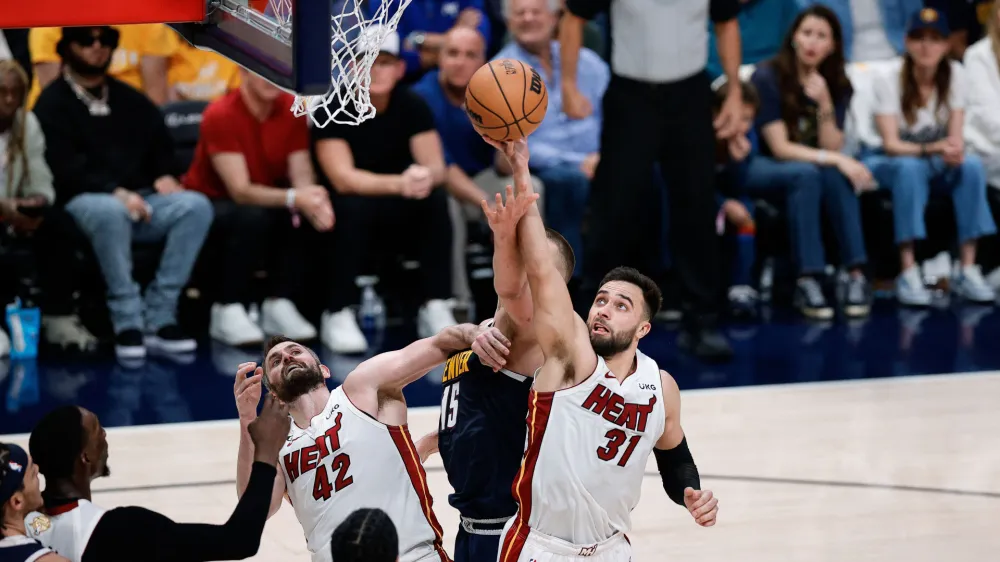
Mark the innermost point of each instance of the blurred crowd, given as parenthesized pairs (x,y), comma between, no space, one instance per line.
(853,115)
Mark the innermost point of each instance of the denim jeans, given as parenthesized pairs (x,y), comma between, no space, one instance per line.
(566,193)
(807,188)
(181,219)
(911,179)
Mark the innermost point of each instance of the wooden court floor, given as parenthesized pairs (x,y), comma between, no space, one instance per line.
(893,470)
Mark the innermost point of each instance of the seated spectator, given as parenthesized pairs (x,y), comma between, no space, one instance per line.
(112,161)
(804,95)
(198,74)
(872,29)
(422,30)
(471,175)
(251,150)
(140,59)
(919,113)
(387,174)
(28,219)
(762,26)
(739,228)
(982,127)
(564,151)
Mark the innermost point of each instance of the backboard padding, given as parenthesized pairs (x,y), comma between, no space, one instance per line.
(66,13)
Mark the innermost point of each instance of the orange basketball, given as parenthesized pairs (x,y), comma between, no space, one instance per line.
(506,100)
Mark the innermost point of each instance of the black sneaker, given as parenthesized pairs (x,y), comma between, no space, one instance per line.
(810,301)
(857,297)
(171,339)
(128,345)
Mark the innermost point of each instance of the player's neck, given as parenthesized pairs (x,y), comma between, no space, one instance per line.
(65,488)
(13,525)
(309,405)
(622,364)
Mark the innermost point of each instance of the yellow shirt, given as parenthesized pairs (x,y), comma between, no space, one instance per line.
(196,74)
(137,41)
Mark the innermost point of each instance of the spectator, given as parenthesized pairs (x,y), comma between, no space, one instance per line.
(804,95)
(423,25)
(982,128)
(198,74)
(762,25)
(919,113)
(367,535)
(564,151)
(872,29)
(658,107)
(968,19)
(251,150)
(140,58)
(28,218)
(14,45)
(386,174)
(732,157)
(113,163)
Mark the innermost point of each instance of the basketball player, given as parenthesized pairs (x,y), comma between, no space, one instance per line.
(71,450)
(349,448)
(597,409)
(20,494)
(367,535)
(485,401)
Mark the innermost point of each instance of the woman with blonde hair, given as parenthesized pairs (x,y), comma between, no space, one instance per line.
(982,125)
(919,113)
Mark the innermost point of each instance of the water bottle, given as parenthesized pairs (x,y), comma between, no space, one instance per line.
(369,310)
(767,280)
(24,323)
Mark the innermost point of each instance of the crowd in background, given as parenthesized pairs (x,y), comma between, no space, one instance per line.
(840,98)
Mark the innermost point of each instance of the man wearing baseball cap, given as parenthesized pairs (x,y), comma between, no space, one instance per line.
(20,494)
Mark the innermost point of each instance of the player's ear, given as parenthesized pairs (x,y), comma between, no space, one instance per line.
(326,371)
(644,329)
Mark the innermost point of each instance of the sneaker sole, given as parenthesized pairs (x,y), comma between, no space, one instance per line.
(179,346)
(857,311)
(130,351)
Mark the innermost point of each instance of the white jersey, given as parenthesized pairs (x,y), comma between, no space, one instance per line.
(346,460)
(587,450)
(66,529)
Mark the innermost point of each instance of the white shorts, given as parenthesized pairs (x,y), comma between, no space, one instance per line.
(539,547)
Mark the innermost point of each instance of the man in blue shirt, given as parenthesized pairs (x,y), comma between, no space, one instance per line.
(423,25)
(564,151)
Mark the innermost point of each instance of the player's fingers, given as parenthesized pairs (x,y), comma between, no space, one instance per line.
(499,335)
(705,509)
(242,370)
(486,207)
(490,348)
(704,496)
(509,192)
(484,356)
(708,517)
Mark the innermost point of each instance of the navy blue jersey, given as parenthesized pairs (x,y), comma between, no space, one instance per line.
(20,548)
(481,435)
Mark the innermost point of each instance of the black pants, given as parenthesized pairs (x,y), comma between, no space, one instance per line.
(246,239)
(988,250)
(386,226)
(45,265)
(671,124)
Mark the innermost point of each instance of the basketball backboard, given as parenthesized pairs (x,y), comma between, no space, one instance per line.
(285,41)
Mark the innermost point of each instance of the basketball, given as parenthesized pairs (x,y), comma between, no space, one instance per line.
(506,100)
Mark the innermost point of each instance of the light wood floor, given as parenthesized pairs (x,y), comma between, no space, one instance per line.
(890,470)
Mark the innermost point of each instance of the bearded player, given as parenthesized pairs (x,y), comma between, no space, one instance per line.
(349,448)
(597,409)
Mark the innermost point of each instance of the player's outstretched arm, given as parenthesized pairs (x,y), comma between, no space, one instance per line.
(675,463)
(393,370)
(509,279)
(561,334)
(247,390)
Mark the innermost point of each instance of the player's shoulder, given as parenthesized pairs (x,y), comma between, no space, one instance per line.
(21,548)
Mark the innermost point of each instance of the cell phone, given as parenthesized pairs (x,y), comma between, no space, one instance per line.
(32,212)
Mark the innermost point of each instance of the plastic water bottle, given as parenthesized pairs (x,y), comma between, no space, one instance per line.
(371,312)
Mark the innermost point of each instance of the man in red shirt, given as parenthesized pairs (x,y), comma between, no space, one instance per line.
(252,161)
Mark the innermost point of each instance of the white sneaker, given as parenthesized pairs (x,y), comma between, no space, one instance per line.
(339,332)
(279,316)
(4,344)
(67,331)
(231,325)
(434,316)
(994,279)
(970,285)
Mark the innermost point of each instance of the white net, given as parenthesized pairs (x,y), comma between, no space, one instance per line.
(358,31)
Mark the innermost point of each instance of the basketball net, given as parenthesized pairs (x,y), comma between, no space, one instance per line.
(357,34)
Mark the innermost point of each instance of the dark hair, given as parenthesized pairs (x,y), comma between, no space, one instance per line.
(747,91)
(651,295)
(832,69)
(4,460)
(565,252)
(911,101)
(57,441)
(367,535)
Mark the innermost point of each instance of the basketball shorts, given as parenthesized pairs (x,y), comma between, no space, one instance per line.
(538,547)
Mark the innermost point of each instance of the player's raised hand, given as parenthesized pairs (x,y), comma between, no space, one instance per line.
(247,390)
(504,215)
(517,154)
(492,347)
(702,505)
(269,430)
